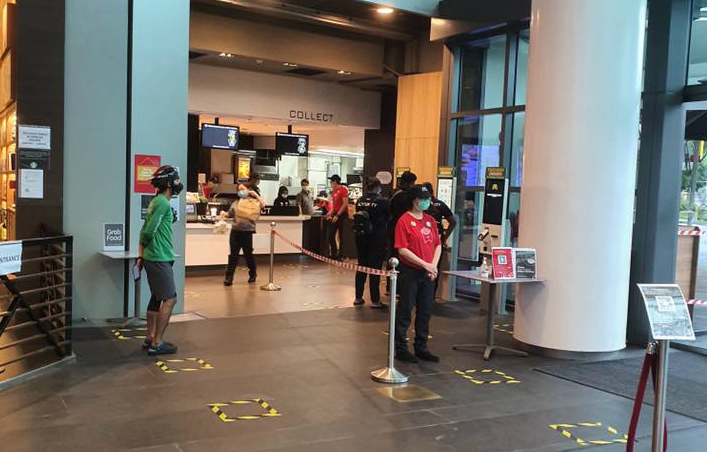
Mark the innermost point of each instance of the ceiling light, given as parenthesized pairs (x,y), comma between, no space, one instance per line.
(225,55)
(258,61)
(290,64)
(343,72)
(385,10)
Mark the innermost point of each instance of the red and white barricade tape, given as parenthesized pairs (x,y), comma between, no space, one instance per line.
(697,302)
(692,233)
(346,265)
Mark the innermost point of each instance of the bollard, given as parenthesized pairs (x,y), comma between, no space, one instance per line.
(390,374)
(271,286)
(658,440)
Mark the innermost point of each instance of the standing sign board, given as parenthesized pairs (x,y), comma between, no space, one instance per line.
(667,312)
(113,237)
(10,257)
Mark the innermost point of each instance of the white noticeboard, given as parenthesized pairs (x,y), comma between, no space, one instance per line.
(10,257)
(31,183)
(667,312)
(445,190)
(34,137)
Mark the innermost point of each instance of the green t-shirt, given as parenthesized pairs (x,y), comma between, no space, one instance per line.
(156,233)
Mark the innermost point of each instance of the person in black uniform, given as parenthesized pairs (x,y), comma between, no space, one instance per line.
(439,210)
(400,202)
(281,199)
(370,228)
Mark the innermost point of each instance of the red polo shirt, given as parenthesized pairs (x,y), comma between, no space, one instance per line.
(337,198)
(419,236)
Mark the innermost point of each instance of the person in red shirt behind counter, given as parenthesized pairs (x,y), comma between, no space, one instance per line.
(339,210)
(419,247)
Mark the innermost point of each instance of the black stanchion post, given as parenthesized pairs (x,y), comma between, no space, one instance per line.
(271,286)
(389,374)
(660,396)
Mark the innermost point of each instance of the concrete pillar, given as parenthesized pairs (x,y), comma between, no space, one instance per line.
(579,171)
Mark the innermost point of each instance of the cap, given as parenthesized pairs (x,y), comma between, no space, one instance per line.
(420,192)
(336,178)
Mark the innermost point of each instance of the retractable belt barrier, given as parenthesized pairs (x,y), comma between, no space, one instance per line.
(650,365)
(346,265)
(693,233)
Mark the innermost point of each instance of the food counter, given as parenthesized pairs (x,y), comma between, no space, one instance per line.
(206,247)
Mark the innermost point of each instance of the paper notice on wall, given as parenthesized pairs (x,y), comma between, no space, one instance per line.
(31,183)
(10,258)
(34,137)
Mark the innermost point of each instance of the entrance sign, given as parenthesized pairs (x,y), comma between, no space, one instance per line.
(113,237)
(145,167)
(34,137)
(10,257)
(667,312)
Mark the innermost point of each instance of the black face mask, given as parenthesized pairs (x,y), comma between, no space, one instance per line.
(177,189)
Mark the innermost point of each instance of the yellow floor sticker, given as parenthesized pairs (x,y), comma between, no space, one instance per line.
(125,334)
(173,366)
(504,327)
(487,376)
(569,432)
(267,410)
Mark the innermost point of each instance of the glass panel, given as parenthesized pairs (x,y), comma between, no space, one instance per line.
(697,71)
(482,74)
(516,169)
(478,146)
(522,67)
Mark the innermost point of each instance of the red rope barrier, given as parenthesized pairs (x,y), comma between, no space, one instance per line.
(650,364)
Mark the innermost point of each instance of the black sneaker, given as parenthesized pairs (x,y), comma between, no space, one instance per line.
(147,343)
(164,348)
(228,282)
(425,355)
(405,356)
(378,305)
(358,302)
(251,279)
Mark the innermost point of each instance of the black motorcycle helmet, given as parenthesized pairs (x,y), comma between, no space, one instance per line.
(164,178)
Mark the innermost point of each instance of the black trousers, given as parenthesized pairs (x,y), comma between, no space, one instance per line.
(416,292)
(371,253)
(332,229)
(241,240)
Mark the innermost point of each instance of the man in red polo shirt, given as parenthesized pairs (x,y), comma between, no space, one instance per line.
(339,210)
(419,247)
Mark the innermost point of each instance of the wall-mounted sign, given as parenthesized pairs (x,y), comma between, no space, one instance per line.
(400,170)
(445,171)
(145,167)
(31,183)
(113,237)
(311,116)
(10,257)
(667,312)
(34,137)
(243,168)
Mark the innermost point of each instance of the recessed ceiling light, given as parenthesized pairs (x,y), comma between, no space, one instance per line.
(290,64)
(225,55)
(258,61)
(385,10)
(343,72)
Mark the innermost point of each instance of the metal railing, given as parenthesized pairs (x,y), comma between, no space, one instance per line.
(35,307)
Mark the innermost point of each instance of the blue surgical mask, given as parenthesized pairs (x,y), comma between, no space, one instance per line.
(242,193)
(424,204)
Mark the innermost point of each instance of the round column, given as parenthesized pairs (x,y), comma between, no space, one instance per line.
(579,171)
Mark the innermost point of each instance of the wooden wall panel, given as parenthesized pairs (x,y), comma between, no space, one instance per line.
(418,124)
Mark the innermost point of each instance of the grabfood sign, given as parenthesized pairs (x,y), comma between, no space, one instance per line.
(311,116)
(10,257)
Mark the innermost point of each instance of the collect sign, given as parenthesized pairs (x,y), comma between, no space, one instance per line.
(113,237)
(667,312)
(10,258)
(145,167)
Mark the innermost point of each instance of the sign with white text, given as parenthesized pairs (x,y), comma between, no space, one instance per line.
(34,137)
(113,237)
(10,257)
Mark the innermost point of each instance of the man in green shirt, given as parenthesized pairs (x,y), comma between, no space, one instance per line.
(157,257)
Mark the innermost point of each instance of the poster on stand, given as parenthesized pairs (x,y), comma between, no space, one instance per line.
(667,311)
(526,265)
(503,263)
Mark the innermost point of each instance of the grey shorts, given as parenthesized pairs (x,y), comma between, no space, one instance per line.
(160,277)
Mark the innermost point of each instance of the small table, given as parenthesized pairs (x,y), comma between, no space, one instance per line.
(489,346)
(131,257)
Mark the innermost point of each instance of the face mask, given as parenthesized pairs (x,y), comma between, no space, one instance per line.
(242,193)
(424,204)
(176,189)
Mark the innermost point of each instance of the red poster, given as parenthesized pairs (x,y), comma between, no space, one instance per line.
(145,167)
(503,266)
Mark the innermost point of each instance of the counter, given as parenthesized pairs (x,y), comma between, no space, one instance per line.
(206,247)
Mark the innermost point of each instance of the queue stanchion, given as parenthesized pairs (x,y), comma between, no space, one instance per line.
(389,374)
(271,286)
(659,442)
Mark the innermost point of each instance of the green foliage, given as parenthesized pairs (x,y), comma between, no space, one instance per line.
(701,176)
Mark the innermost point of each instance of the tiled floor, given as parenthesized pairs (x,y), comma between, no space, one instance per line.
(312,367)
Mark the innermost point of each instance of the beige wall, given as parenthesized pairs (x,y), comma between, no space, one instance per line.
(418,124)
(257,40)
